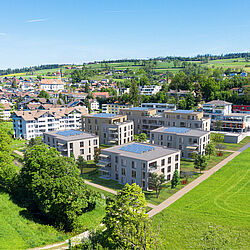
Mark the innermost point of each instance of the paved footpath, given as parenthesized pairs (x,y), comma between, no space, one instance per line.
(18,152)
(111,191)
(194,183)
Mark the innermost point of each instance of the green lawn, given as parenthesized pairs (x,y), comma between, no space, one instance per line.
(19,231)
(188,165)
(214,215)
(94,176)
(166,191)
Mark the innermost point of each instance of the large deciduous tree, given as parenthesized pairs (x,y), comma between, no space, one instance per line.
(210,149)
(54,186)
(126,221)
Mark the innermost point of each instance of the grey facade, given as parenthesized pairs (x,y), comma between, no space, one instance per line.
(133,167)
(187,140)
(112,129)
(146,119)
(73,141)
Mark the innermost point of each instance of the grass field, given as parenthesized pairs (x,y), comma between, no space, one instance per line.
(214,215)
(19,231)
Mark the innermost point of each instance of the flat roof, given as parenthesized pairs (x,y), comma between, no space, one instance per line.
(70,135)
(181,131)
(138,108)
(183,111)
(141,151)
(103,115)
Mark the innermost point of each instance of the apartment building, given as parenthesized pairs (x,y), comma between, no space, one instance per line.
(146,119)
(160,107)
(234,122)
(185,139)
(216,109)
(52,84)
(30,124)
(241,109)
(149,89)
(114,108)
(134,163)
(71,141)
(112,129)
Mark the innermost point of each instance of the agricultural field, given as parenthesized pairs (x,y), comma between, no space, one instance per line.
(214,215)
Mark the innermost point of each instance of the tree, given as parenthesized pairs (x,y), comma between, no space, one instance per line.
(39,77)
(175,180)
(156,181)
(97,153)
(210,149)
(218,125)
(14,83)
(81,163)
(140,137)
(190,101)
(200,162)
(59,102)
(35,141)
(134,93)
(7,170)
(43,94)
(86,87)
(53,186)
(126,220)
(182,104)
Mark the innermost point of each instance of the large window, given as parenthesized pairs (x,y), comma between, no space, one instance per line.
(133,174)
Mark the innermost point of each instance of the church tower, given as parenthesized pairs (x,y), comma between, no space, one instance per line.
(58,74)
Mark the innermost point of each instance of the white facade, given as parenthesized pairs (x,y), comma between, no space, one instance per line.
(30,124)
(216,109)
(94,105)
(51,85)
(149,89)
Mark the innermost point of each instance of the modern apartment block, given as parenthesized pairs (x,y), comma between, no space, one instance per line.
(187,140)
(112,129)
(160,107)
(30,124)
(149,89)
(75,142)
(113,108)
(234,122)
(134,163)
(146,119)
(241,109)
(216,109)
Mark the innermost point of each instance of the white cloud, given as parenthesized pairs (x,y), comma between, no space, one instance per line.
(3,34)
(36,20)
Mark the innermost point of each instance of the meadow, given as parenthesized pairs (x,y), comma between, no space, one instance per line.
(214,215)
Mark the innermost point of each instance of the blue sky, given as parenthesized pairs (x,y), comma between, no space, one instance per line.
(34,32)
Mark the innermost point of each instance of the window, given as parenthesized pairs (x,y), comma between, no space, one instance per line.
(169,169)
(81,151)
(133,164)
(116,176)
(123,171)
(143,175)
(168,177)
(163,170)
(169,159)
(81,144)
(133,174)
(90,150)
(89,143)
(95,141)
(176,165)
(143,165)
(116,159)
(176,157)
(163,162)
(88,157)
(173,124)
(70,145)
